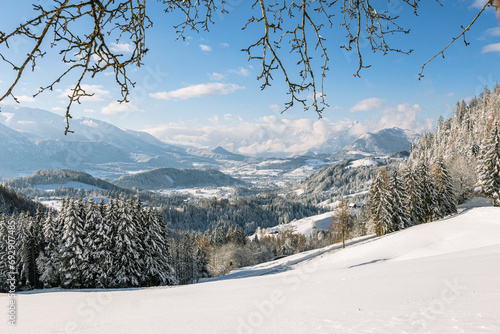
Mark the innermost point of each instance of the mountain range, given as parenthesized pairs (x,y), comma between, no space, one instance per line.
(33,139)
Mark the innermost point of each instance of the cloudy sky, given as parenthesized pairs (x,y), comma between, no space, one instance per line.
(203,91)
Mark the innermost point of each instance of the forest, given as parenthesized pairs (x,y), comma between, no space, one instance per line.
(175,240)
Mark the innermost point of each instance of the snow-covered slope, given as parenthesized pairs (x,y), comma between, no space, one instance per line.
(440,277)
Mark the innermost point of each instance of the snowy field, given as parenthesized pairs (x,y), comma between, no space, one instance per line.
(441,277)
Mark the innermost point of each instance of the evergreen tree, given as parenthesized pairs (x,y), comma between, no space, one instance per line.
(102,245)
(445,196)
(380,204)
(428,193)
(23,254)
(400,218)
(128,249)
(413,196)
(157,252)
(48,262)
(72,261)
(488,169)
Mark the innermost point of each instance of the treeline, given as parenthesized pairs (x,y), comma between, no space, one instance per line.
(410,196)
(87,245)
(123,244)
(468,145)
(464,159)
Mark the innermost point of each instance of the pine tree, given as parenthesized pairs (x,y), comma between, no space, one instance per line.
(101,246)
(488,169)
(128,248)
(157,253)
(48,262)
(72,261)
(400,218)
(23,254)
(380,204)
(445,196)
(108,251)
(428,193)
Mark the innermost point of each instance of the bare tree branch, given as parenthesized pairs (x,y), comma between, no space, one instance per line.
(290,29)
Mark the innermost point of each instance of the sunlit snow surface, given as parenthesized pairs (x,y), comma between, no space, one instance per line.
(441,277)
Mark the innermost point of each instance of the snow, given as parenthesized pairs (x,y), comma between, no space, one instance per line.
(440,277)
(305,225)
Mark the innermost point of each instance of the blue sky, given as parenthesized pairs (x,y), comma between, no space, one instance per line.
(203,91)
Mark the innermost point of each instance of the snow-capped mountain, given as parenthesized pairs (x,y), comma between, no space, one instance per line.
(385,141)
(33,139)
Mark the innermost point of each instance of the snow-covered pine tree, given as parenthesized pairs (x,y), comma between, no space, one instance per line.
(413,196)
(380,204)
(108,251)
(35,246)
(157,255)
(102,244)
(90,268)
(128,249)
(488,169)
(445,195)
(72,246)
(48,261)
(22,249)
(428,193)
(400,218)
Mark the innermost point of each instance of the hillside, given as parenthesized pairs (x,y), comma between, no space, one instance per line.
(12,202)
(165,178)
(439,277)
(51,179)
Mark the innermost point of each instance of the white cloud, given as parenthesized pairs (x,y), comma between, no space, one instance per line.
(241,71)
(205,48)
(479,3)
(200,90)
(122,47)
(89,110)
(491,48)
(493,31)
(277,136)
(115,108)
(216,76)
(99,92)
(269,135)
(368,104)
(275,107)
(56,109)
(224,45)
(403,116)
(450,94)
(25,98)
